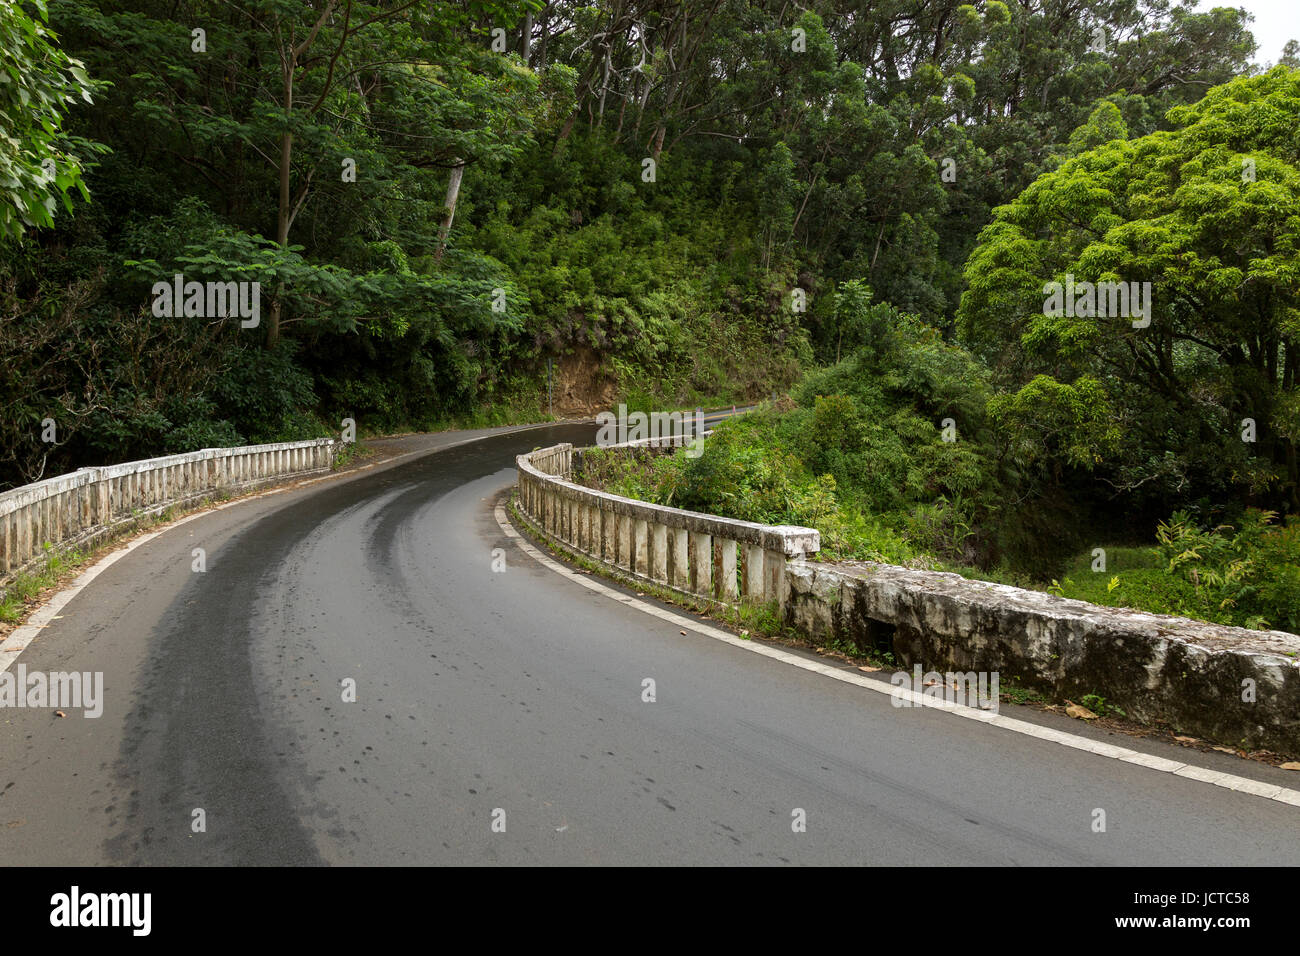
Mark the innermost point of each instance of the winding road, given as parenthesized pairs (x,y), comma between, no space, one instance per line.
(481,690)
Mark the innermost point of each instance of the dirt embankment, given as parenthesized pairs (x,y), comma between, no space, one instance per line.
(583,385)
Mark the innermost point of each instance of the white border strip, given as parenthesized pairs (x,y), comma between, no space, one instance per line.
(1150,761)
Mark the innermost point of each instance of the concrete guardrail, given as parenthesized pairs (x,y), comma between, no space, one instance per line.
(84,507)
(719,559)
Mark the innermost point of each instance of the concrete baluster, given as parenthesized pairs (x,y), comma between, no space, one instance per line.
(680,564)
(701,563)
(724,571)
(754,572)
(774,585)
(659,553)
(641,547)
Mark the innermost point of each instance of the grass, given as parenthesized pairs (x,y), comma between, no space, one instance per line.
(350,452)
(1011,692)
(1099,706)
(26,586)
(24,589)
(1080,581)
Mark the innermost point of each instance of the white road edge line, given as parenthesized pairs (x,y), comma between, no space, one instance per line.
(19,639)
(1151,762)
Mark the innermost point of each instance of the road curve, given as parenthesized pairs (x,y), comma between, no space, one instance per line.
(519,691)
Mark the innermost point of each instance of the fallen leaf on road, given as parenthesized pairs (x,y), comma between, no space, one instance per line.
(869,670)
(1226,750)
(1186,740)
(681,632)
(59,713)
(1290,765)
(1083,713)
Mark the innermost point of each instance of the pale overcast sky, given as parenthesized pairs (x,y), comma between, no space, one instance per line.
(1276,21)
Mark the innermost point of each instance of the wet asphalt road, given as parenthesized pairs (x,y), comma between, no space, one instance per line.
(520,691)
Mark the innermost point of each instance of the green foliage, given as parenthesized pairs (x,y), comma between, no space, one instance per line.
(1249,575)
(858,170)
(860,457)
(264,392)
(1104,125)
(39,162)
(1207,213)
(26,586)
(1098,706)
(1047,421)
(1245,574)
(626,274)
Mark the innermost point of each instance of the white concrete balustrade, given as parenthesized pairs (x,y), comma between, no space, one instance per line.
(85,506)
(720,559)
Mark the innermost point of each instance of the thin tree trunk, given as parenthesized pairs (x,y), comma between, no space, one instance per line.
(604,87)
(881,236)
(658,144)
(618,133)
(283,214)
(643,97)
(546,35)
(453,190)
(803,205)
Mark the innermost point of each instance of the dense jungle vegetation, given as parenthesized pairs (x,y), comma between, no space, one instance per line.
(683,202)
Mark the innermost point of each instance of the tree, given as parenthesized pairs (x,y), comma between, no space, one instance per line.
(1209,215)
(274,98)
(38,82)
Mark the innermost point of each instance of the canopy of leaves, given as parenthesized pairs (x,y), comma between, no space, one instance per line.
(39,161)
(1208,213)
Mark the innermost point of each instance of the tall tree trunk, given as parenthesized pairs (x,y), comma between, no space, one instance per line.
(289,57)
(526,37)
(618,133)
(657,145)
(604,87)
(453,190)
(546,35)
(643,97)
(283,213)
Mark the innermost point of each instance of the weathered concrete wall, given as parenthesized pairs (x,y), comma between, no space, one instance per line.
(84,507)
(1157,668)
